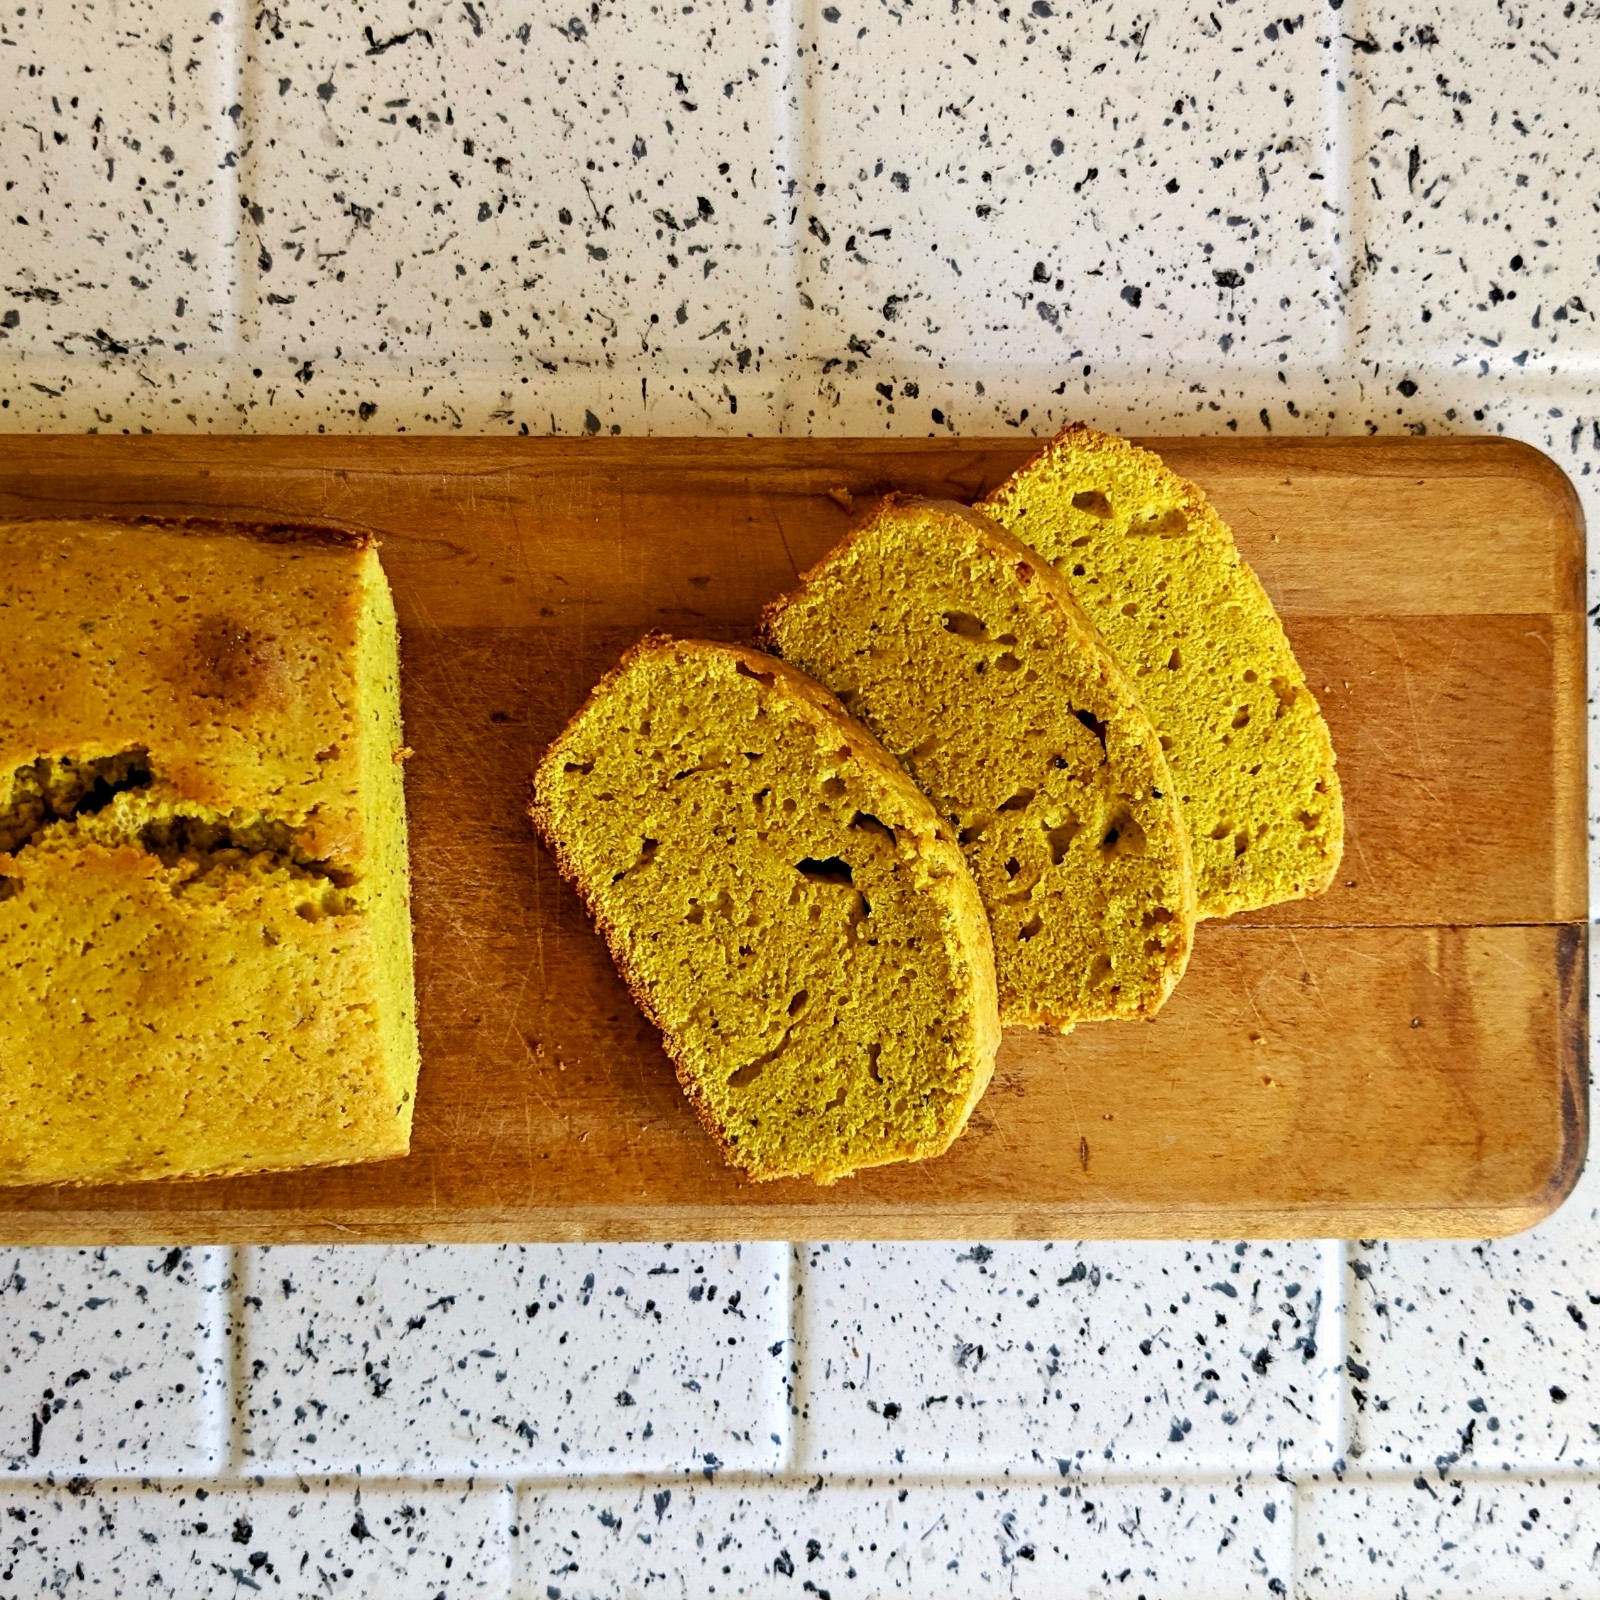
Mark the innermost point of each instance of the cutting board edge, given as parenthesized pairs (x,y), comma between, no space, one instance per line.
(695,1224)
(972,1219)
(762,1222)
(622,1224)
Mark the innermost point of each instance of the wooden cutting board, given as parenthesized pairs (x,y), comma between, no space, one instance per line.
(1406,1055)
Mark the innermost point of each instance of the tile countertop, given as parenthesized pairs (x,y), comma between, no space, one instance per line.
(748,216)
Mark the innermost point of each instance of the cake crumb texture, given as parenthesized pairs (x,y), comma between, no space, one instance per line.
(1156,569)
(205,943)
(968,657)
(784,905)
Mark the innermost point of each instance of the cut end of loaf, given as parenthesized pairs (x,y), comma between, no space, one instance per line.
(1156,569)
(782,903)
(969,659)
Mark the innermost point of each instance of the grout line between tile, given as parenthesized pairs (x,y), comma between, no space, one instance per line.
(228,241)
(508,1538)
(791,1377)
(1341,131)
(748,1482)
(243,380)
(1405,1477)
(1297,1493)
(217,1278)
(793,126)
(241,403)
(731,1483)
(803,1393)
(234,1459)
(1336,1296)
(238,402)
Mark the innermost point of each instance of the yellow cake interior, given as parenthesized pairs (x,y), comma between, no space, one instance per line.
(965,654)
(1156,568)
(783,903)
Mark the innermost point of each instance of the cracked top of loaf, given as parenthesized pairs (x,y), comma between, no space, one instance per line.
(228,652)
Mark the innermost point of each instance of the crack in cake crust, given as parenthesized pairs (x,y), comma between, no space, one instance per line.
(65,802)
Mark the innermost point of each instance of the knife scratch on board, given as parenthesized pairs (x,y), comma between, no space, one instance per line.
(1419,741)
(1310,970)
(777,522)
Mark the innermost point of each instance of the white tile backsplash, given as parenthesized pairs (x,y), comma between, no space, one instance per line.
(317,1536)
(1061,1540)
(1475,1539)
(827,216)
(534,1360)
(521,187)
(1478,1355)
(117,132)
(1121,1358)
(112,1361)
(1474,179)
(1031,183)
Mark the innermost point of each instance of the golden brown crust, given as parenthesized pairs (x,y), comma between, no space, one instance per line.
(332,535)
(99,1179)
(857,744)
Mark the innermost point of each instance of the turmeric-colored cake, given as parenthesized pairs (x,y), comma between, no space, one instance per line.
(205,939)
(783,903)
(1157,571)
(970,660)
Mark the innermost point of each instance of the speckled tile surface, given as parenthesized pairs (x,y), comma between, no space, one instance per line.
(112,1361)
(480,185)
(318,1536)
(1476,1357)
(1057,1540)
(119,189)
(1478,1539)
(834,216)
(1474,177)
(527,1359)
(1066,189)
(1083,1358)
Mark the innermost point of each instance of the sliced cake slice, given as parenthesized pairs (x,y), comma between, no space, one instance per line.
(783,904)
(1156,569)
(969,659)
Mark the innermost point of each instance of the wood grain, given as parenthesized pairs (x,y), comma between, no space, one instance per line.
(1407,1054)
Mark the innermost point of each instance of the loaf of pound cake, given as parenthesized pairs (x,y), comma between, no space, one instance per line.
(1148,557)
(205,938)
(968,657)
(784,905)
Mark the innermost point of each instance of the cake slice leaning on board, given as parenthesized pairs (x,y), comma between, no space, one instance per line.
(782,902)
(969,658)
(1158,573)
(205,934)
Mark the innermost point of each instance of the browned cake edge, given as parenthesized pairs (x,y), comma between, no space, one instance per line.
(1193,497)
(1006,543)
(863,744)
(330,535)
(1055,587)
